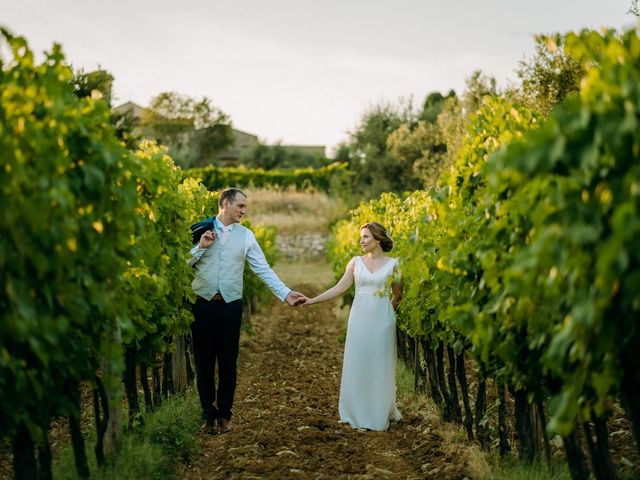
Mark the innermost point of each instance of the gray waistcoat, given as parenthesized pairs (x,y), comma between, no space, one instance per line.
(221,267)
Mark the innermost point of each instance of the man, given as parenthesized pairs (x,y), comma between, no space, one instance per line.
(218,259)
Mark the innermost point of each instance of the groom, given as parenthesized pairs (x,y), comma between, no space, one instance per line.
(218,259)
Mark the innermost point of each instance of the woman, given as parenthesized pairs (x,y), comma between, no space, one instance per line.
(368,385)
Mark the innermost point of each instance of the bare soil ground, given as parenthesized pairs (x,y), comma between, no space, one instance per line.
(285,422)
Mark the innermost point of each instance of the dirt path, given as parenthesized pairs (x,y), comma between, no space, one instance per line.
(285,421)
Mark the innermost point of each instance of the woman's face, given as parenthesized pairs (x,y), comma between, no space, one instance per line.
(367,242)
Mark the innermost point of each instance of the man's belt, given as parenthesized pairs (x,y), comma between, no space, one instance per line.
(217,298)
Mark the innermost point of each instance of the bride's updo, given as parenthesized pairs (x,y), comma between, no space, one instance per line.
(379,233)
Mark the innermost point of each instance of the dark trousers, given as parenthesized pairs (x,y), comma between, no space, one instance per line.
(216,339)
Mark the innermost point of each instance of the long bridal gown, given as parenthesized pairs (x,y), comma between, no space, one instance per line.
(368,385)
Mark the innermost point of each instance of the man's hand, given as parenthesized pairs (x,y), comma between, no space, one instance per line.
(207,238)
(296,298)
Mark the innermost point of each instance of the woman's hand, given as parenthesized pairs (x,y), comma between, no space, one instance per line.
(296,298)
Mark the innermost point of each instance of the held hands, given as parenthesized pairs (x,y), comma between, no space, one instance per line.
(207,238)
(296,298)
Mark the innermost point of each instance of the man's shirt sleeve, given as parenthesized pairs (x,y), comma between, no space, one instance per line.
(259,265)
(196,252)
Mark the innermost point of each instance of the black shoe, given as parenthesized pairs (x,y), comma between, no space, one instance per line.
(210,427)
(223,425)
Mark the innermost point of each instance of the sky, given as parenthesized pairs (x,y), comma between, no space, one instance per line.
(300,72)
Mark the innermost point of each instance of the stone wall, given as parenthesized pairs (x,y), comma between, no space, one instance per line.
(308,246)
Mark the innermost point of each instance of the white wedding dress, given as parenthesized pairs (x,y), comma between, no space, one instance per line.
(368,385)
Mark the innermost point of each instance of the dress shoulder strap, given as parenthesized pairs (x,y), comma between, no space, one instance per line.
(354,261)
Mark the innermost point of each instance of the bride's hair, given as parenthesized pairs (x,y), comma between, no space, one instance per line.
(380,234)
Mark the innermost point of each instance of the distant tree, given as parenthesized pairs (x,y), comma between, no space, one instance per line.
(477,86)
(454,117)
(433,105)
(419,147)
(375,170)
(634,9)
(452,127)
(278,156)
(193,130)
(549,76)
(419,150)
(429,146)
(99,84)
(343,153)
(393,149)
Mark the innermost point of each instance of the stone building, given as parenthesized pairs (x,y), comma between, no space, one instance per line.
(243,141)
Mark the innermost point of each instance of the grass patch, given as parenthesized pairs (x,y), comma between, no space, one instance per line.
(511,468)
(413,402)
(155,450)
(174,426)
(264,201)
(291,223)
(293,212)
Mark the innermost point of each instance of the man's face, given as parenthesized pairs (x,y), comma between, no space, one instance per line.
(235,210)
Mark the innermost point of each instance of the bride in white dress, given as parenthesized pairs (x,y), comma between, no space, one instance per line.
(368,385)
